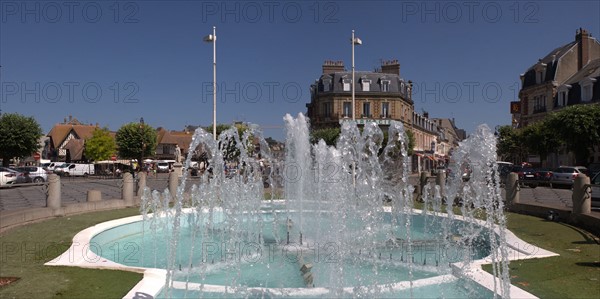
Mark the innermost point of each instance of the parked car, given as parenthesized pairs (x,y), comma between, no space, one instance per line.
(35,174)
(543,176)
(7,176)
(22,177)
(527,177)
(76,169)
(162,166)
(565,175)
(595,182)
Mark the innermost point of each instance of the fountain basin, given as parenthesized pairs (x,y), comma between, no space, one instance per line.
(120,244)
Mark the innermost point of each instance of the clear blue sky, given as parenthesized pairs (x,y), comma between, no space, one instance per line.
(466,55)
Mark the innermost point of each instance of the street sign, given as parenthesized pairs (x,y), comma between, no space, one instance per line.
(37,156)
(113,158)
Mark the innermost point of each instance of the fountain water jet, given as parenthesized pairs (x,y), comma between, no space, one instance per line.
(346,226)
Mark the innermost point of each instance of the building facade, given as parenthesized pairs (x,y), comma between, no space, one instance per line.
(380,96)
(568,75)
(66,140)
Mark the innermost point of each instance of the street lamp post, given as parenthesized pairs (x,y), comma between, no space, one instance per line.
(212,38)
(354,41)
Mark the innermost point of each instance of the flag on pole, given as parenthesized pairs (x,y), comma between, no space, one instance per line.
(357,41)
(210,38)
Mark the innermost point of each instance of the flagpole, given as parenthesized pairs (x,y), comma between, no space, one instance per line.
(215,82)
(353,111)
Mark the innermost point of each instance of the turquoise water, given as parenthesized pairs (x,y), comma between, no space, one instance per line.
(267,260)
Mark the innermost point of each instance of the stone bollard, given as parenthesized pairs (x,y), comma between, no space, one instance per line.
(53,199)
(142,176)
(512,188)
(127,191)
(94,195)
(173,182)
(582,195)
(440,180)
(178,169)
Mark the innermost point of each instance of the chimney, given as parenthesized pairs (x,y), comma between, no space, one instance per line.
(582,38)
(70,117)
(330,66)
(391,67)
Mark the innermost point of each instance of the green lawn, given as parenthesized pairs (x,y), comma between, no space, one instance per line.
(573,274)
(24,250)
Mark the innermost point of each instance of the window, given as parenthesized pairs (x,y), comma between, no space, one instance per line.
(540,69)
(327,109)
(346,84)
(347,109)
(586,93)
(366,109)
(562,99)
(366,84)
(385,110)
(539,104)
(385,85)
(326,85)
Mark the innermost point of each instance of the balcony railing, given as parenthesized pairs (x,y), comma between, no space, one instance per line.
(539,109)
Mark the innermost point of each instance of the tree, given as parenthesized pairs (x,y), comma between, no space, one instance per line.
(410,146)
(538,139)
(577,126)
(510,144)
(329,135)
(229,145)
(19,136)
(132,137)
(101,146)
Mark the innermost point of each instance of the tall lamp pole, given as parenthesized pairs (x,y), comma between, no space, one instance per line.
(212,38)
(354,41)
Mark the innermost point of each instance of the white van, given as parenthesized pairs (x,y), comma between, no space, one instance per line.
(53,165)
(75,169)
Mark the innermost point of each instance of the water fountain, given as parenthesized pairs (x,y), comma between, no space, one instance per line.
(346,225)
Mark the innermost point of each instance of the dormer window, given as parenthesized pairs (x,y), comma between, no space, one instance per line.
(385,85)
(326,85)
(587,90)
(366,84)
(346,84)
(540,72)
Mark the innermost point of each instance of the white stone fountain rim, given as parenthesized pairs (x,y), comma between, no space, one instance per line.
(80,255)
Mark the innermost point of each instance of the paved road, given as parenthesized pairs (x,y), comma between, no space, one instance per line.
(547,196)
(75,190)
